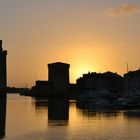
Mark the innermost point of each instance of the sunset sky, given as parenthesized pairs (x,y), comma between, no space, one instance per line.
(90,35)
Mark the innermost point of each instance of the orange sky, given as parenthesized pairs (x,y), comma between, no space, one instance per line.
(89,35)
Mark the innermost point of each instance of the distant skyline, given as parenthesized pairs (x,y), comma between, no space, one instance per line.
(90,35)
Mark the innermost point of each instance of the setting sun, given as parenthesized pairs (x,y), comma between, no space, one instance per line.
(80,70)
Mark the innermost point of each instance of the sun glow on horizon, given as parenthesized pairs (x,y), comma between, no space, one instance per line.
(80,71)
(77,69)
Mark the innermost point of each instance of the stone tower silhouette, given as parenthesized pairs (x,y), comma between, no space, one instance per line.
(59,77)
(3,75)
(58,103)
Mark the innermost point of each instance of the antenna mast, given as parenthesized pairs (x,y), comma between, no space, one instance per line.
(127,67)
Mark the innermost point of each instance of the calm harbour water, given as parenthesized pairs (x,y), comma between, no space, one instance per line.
(27,119)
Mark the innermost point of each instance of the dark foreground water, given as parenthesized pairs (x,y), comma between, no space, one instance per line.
(27,119)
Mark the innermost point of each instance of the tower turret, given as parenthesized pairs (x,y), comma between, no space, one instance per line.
(3,75)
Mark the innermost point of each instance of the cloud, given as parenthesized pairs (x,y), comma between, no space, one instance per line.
(123,10)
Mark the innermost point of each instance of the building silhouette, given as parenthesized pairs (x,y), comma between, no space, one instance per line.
(57,84)
(132,80)
(58,103)
(101,81)
(41,89)
(3,76)
(59,78)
